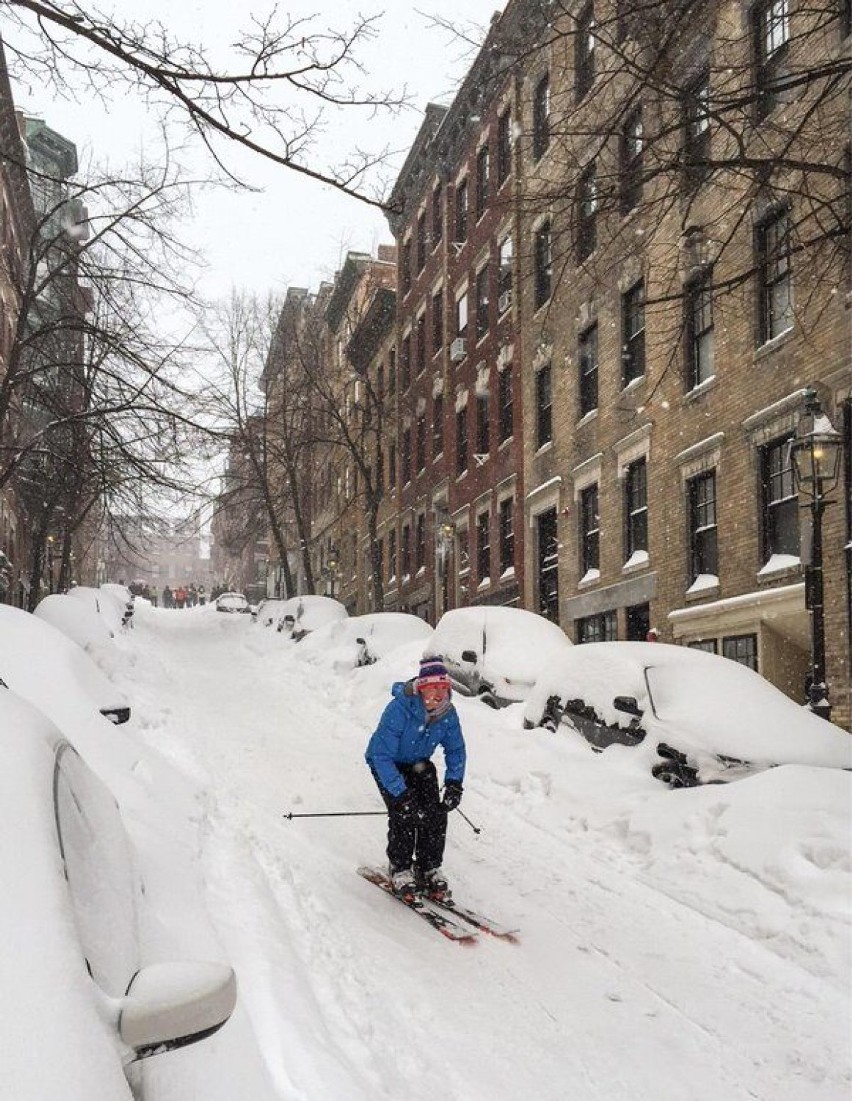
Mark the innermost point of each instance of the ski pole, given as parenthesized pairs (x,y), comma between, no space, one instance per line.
(335,814)
(476,829)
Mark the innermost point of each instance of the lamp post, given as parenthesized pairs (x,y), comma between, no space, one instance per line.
(816,451)
(332,567)
(50,542)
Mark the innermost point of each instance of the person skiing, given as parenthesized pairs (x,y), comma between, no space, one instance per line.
(419,718)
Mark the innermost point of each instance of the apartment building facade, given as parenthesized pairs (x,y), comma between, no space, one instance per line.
(672,318)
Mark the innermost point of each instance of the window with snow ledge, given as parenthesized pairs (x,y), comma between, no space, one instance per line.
(779,563)
(590,576)
(703,582)
(636,560)
(484,583)
(510,572)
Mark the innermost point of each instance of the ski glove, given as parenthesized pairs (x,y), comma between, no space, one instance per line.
(452,795)
(404,807)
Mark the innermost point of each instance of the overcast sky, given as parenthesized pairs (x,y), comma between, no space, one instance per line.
(294,232)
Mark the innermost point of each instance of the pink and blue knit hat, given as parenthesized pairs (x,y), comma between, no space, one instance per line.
(433,672)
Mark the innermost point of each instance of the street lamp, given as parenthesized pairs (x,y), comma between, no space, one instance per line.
(816,451)
(332,567)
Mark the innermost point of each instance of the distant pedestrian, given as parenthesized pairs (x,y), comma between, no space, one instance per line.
(168,597)
(180,596)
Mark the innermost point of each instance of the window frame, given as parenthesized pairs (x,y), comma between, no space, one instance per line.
(779,509)
(775,274)
(462,441)
(461,211)
(588,380)
(505,405)
(633,336)
(588,513)
(543,263)
(541,117)
(483,546)
(504,146)
(635,507)
(699,324)
(584,52)
(630,160)
(506,529)
(702,517)
(587,208)
(483,175)
(544,405)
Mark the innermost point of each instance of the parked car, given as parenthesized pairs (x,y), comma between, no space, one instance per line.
(102,602)
(124,596)
(268,613)
(232,603)
(699,718)
(362,640)
(302,614)
(81,1003)
(495,652)
(40,663)
(74,618)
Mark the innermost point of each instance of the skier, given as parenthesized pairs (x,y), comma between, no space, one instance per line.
(419,718)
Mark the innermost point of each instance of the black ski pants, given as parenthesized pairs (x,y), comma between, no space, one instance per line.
(421,839)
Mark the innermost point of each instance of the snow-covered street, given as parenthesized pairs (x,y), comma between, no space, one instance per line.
(673,944)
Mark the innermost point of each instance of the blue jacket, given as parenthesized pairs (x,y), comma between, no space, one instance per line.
(403,737)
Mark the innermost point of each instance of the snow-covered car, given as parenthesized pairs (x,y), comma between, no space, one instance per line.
(268,613)
(495,652)
(102,602)
(362,640)
(40,663)
(76,619)
(81,1003)
(302,614)
(124,596)
(232,603)
(699,718)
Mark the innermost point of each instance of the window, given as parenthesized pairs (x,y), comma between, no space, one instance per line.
(461,315)
(406,550)
(421,242)
(636,508)
(780,502)
(405,264)
(437,321)
(543,264)
(380,472)
(543,406)
(392,554)
(587,357)
(421,442)
(704,553)
(602,627)
(696,130)
(741,648)
(505,404)
(437,425)
(633,333)
(392,465)
(708,645)
(420,542)
(504,146)
(482,427)
(700,364)
(420,345)
(482,172)
(638,617)
(541,117)
(771,29)
(506,517)
(584,52)
(463,550)
(461,212)
(774,261)
(392,372)
(406,456)
(504,274)
(405,365)
(547,562)
(587,206)
(589,530)
(437,214)
(482,319)
(631,161)
(483,546)
(461,440)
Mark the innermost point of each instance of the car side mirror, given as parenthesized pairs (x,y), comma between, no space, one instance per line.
(469,655)
(169,1005)
(628,705)
(117,715)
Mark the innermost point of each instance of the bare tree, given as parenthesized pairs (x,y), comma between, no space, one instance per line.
(269,96)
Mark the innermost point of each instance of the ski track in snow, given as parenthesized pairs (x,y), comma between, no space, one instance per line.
(619,985)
